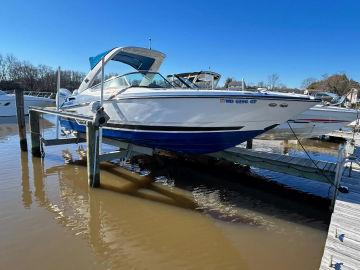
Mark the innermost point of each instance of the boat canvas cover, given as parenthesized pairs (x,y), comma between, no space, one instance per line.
(141,59)
(139,62)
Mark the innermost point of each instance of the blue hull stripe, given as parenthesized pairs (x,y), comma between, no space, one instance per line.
(191,143)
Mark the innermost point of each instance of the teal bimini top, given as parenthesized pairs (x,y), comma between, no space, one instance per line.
(139,62)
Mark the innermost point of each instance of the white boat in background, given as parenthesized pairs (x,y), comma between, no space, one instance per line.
(331,116)
(145,109)
(8,103)
(315,122)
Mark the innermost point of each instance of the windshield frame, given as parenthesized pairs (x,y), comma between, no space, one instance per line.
(124,76)
(189,84)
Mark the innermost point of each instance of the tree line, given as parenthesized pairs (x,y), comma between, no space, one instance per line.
(16,74)
(338,83)
(273,83)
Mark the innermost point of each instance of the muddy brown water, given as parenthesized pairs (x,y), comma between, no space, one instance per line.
(185,218)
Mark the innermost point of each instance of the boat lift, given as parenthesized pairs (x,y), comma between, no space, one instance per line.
(301,167)
(307,168)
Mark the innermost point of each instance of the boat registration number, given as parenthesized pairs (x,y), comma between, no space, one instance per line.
(237,101)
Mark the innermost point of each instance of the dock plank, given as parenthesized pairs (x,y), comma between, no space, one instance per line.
(342,248)
(322,164)
(327,166)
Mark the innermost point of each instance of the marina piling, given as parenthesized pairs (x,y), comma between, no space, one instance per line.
(249,144)
(93,159)
(35,133)
(20,114)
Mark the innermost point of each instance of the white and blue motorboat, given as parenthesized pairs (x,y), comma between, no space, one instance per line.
(145,109)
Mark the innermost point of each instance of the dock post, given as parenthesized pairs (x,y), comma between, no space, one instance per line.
(249,144)
(35,133)
(20,114)
(93,159)
(338,174)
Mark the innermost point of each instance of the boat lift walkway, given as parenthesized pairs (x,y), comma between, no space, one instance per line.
(342,249)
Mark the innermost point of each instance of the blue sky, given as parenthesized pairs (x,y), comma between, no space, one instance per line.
(250,39)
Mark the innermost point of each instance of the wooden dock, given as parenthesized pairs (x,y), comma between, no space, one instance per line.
(342,248)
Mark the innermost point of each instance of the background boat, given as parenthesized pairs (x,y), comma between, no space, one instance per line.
(8,103)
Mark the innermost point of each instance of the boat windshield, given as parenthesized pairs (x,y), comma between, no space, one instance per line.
(182,82)
(135,79)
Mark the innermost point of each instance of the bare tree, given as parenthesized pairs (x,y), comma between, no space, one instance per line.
(261,84)
(325,76)
(16,74)
(307,82)
(227,82)
(2,68)
(273,80)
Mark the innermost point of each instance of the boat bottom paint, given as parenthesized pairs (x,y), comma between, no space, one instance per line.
(184,142)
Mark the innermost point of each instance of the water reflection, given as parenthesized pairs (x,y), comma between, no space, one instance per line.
(8,125)
(38,179)
(231,194)
(26,193)
(111,227)
(201,189)
(318,149)
(219,214)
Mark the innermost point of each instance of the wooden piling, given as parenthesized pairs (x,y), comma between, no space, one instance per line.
(93,158)
(19,99)
(35,133)
(249,144)
(338,174)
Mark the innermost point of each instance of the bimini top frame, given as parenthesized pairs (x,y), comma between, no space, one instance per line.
(139,58)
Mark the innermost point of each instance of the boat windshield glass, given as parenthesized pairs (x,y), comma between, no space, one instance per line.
(135,79)
(189,83)
(182,82)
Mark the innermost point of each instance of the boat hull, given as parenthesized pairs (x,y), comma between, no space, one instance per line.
(175,141)
(191,110)
(194,122)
